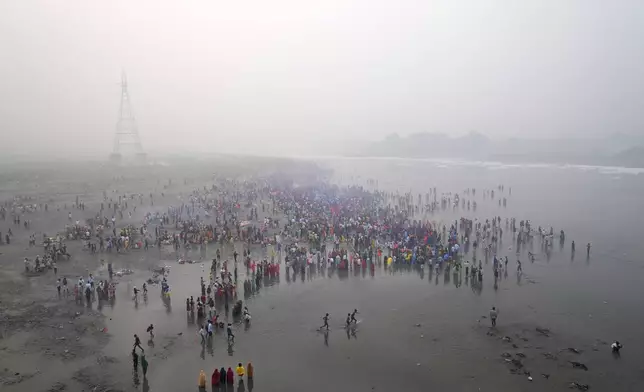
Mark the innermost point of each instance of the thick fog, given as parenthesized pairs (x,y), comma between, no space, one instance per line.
(292,76)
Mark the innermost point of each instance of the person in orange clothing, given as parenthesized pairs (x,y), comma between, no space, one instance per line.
(250,369)
(202,379)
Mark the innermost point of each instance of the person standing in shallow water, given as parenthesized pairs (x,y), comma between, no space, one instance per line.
(493,315)
(214,380)
(240,370)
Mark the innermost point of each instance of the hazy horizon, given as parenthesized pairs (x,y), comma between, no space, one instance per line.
(289,76)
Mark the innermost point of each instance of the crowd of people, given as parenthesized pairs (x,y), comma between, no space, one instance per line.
(308,228)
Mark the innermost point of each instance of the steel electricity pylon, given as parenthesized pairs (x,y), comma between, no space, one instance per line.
(127,142)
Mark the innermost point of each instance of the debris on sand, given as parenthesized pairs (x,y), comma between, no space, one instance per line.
(544,375)
(123,272)
(506,355)
(544,331)
(57,387)
(579,365)
(17,378)
(574,350)
(581,387)
(550,356)
(517,363)
(520,355)
(507,339)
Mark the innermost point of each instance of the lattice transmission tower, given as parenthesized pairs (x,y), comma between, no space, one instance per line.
(127,142)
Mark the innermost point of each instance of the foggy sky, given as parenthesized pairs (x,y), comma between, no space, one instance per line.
(253,75)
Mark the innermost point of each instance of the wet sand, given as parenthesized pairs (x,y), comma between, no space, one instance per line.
(453,347)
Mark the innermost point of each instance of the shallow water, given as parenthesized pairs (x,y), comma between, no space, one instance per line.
(585,302)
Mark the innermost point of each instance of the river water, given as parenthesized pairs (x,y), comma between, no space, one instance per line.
(420,330)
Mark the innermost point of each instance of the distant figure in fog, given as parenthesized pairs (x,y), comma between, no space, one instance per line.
(493,315)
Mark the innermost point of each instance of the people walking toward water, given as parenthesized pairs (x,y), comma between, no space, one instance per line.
(229,332)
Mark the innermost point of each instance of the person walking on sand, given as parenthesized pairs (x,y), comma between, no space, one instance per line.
(137,343)
(493,315)
(202,334)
